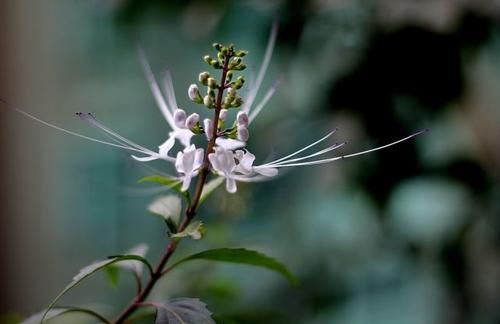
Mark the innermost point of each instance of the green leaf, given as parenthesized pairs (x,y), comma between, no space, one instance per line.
(182,311)
(209,188)
(90,270)
(134,265)
(56,312)
(242,256)
(112,274)
(171,183)
(169,208)
(195,230)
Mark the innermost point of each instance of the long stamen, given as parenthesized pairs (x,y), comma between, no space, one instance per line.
(324,151)
(264,100)
(302,149)
(263,68)
(92,121)
(155,89)
(348,155)
(22,112)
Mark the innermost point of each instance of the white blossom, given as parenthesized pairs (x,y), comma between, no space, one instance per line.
(188,163)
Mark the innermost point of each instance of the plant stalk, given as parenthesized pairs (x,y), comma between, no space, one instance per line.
(190,211)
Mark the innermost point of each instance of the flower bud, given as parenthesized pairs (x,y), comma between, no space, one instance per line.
(231,92)
(192,120)
(217,46)
(238,101)
(235,61)
(223,114)
(208,59)
(238,84)
(240,67)
(208,127)
(240,53)
(208,101)
(179,118)
(229,76)
(242,133)
(203,78)
(242,119)
(194,94)
(212,84)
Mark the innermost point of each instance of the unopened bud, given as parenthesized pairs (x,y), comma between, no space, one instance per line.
(238,101)
(242,133)
(179,118)
(208,126)
(238,84)
(242,119)
(217,46)
(229,76)
(208,101)
(223,114)
(203,78)
(212,84)
(194,94)
(240,53)
(192,120)
(208,59)
(240,67)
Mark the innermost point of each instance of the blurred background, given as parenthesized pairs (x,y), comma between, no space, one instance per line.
(410,234)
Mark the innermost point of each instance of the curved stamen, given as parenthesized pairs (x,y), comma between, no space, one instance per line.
(348,155)
(326,150)
(22,112)
(92,121)
(302,149)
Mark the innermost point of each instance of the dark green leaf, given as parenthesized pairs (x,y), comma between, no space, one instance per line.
(242,256)
(182,311)
(90,270)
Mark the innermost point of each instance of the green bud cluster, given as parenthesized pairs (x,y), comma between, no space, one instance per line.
(230,60)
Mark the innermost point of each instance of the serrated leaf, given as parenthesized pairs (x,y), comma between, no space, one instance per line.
(90,270)
(56,312)
(183,311)
(171,183)
(242,256)
(209,188)
(168,207)
(195,230)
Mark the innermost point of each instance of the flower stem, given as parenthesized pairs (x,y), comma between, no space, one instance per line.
(190,211)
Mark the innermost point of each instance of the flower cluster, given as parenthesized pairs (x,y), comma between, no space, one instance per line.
(225,154)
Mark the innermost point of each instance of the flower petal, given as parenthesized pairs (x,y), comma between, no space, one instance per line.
(229,144)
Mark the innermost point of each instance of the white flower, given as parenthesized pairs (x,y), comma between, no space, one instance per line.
(188,164)
(222,161)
